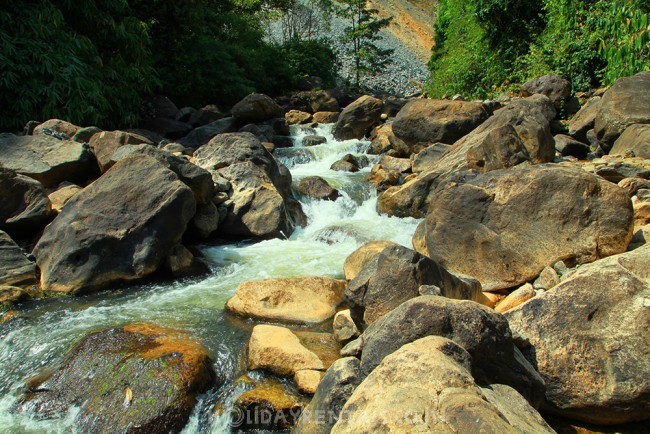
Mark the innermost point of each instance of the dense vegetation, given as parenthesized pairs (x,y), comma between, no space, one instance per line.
(487,46)
(92,62)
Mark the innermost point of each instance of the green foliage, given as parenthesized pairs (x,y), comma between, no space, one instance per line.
(361,35)
(86,62)
(487,46)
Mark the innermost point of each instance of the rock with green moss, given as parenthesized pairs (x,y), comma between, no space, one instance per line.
(137,378)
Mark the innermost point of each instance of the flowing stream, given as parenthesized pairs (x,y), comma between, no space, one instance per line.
(46,328)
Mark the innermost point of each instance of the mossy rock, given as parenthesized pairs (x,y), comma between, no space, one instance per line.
(137,378)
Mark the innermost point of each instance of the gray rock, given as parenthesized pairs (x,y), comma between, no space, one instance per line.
(15,268)
(313,140)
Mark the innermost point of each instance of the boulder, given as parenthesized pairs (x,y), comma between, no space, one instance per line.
(267,406)
(344,327)
(296,117)
(515,298)
(518,132)
(385,141)
(568,146)
(556,88)
(185,114)
(585,119)
(205,115)
(10,295)
(640,238)
(317,188)
(312,140)
(120,228)
(202,135)
(61,196)
(302,300)
(315,101)
(349,163)
(169,128)
(256,107)
(56,125)
(139,377)
(584,337)
(265,133)
(358,259)
(624,104)
(633,185)
(358,118)
(635,140)
(206,220)
(15,268)
(83,135)
(481,227)
(46,158)
(617,172)
(326,117)
(260,192)
(424,160)
(182,263)
(278,350)
(105,144)
(427,121)
(483,333)
(641,214)
(24,207)
(395,276)
(307,380)
(334,389)
(427,386)
(158,106)
(547,279)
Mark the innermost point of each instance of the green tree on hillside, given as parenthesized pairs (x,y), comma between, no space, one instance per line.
(361,35)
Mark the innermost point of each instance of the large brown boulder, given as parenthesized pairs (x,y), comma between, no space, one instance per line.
(427,121)
(587,338)
(15,268)
(301,300)
(394,276)
(257,107)
(24,207)
(635,139)
(585,119)
(624,104)
(137,378)
(556,88)
(358,259)
(46,158)
(202,135)
(260,202)
(482,227)
(120,228)
(317,188)
(105,144)
(358,118)
(427,386)
(314,101)
(519,132)
(483,333)
(56,125)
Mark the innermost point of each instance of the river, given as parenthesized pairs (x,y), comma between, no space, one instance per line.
(46,328)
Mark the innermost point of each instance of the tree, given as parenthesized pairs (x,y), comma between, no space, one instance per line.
(361,35)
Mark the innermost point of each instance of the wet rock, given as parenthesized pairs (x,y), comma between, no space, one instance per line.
(326,117)
(472,223)
(584,340)
(515,298)
(427,386)
(324,345)
(335,388)
(182,263)
(634,141)
(307,380)
(256,107)
(424,160)
(483,149)
(268,406)
(358,259)
(118,229)
(260,186)
(61,196)
(202,135)
(138,377)
(483,333)
(15,268)
(358,118)
(295,117)
(344,327)
(46,158)
(624,104)
(567,146)
(56,125)
(10,295)
(585,119)
(427,121)
(317,188)
(313,140)
(556,88)
(278,350)
(290,299)
(395,276)
(24,207)
(349,163)
(105,144)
